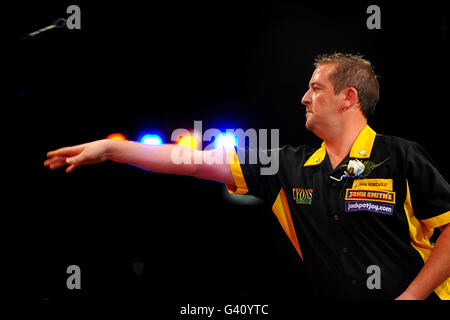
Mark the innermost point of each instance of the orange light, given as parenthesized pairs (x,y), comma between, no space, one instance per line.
(116,136)
(187,141)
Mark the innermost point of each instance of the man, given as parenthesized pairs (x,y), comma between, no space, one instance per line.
(360,210)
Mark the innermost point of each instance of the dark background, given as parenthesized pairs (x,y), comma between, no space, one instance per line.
(158,67)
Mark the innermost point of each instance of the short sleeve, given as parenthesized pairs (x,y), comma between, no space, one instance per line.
(430,192)
(253,176)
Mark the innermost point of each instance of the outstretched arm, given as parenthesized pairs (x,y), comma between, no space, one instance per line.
(153,158)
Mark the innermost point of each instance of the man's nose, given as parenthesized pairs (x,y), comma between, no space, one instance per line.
(306,99)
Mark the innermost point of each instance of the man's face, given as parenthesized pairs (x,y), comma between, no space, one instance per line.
(322,105)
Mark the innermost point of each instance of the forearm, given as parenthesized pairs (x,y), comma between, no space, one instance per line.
(435,271)
(152,158)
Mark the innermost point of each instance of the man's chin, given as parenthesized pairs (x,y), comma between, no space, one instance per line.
(309,125)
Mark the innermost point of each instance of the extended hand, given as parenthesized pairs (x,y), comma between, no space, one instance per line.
(76,156)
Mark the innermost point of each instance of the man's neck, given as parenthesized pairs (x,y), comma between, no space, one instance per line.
(340,142)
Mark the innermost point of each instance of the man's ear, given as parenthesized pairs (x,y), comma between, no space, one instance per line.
(350,97)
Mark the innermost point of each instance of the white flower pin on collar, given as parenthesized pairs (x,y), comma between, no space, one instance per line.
(355,168)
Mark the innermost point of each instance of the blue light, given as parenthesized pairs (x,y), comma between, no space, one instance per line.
(225,140)
(151,139)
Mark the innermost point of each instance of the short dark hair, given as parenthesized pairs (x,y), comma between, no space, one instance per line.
(353,71)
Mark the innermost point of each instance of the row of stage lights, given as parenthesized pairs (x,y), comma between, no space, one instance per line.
(223,140)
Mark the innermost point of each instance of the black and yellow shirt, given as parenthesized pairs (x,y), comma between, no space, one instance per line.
(345,226)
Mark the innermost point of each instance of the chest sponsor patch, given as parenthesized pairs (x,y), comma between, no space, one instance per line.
(351,206)
(302,196)
(370,195)
(373,184)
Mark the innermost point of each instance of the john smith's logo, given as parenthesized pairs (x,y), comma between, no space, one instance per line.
(302,196)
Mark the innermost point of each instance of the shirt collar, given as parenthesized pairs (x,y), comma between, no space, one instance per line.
(361,149)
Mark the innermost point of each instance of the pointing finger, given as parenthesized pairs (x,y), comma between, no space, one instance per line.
(55,162)
(66,151)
